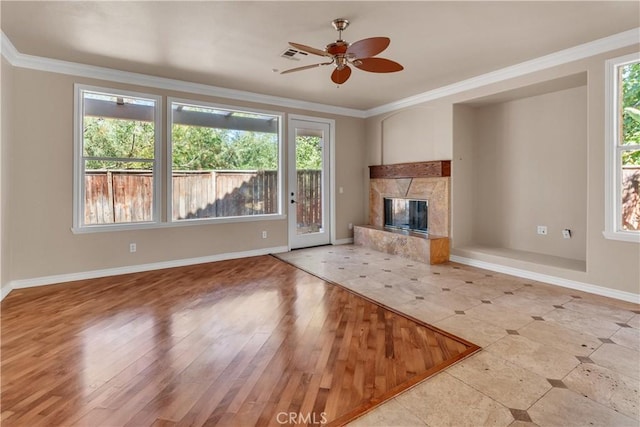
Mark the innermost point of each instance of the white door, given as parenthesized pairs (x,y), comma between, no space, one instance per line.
(309,184)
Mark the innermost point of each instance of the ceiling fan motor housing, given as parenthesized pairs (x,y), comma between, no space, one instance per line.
(337,48)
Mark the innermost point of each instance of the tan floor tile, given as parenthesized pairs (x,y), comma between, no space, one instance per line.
(605,386)
(621,359)
(481,292)
(416,288)
(443,281)
(530,306)
(452,300)
(634,322)
(465,272)
(522,424)
(439,402)
(472,329)
(602,311)
(387,277)
(538,358)
(544,289)
(550,300)
(627,337)
(390,413)
(563,407)
(567,340)
(582,322)
(501,283)
(425,311)
(413,270)
(599,299)
(503,317)
(509,384)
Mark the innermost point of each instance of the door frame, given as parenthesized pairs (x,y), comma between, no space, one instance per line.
(290,163)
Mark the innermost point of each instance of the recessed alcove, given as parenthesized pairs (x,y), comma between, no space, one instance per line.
(520,160)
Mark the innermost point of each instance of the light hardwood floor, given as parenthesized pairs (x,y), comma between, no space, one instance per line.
(245,342)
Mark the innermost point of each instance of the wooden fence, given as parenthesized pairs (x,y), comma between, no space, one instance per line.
(127,196)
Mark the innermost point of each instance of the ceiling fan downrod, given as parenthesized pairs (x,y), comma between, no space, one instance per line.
(340,24)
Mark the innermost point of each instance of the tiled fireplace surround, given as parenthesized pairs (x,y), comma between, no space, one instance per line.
(420,180)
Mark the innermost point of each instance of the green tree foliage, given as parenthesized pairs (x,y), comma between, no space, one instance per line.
(630,76)
(194,147)
(204,148)
(309,152)
(124,139)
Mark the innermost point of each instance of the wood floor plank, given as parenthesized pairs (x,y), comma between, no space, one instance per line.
(243,342)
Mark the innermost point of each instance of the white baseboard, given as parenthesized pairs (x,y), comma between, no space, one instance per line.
(4,291)
(554,280)
(70,277)
(346,241)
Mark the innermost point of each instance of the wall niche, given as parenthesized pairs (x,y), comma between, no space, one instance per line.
(520,161)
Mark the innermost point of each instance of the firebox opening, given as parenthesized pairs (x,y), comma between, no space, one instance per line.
(406,214)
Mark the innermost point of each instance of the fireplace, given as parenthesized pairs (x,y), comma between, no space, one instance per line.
(408,196)
(406,214)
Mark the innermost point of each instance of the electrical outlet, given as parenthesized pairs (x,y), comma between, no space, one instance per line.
(542,230)
(350,226)
(264,234)
(132,247)
(566,233)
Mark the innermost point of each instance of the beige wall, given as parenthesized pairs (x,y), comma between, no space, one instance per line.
(609,263)
(464,134)
(40,194)
(5,138)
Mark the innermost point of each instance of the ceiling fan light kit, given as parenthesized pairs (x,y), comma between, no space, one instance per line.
(360,54)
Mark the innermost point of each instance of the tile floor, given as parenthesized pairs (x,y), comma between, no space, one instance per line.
(551,356)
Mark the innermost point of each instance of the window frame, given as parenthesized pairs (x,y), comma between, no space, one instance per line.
(169,165)
(79,164)
(613,165)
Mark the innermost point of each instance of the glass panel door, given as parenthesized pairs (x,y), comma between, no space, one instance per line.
(308,188)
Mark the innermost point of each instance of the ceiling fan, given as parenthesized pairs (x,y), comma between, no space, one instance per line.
(360,54)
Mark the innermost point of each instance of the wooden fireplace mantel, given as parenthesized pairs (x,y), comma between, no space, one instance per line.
(439,168)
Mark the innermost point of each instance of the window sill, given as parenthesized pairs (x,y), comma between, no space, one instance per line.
(622,236)
(182,223)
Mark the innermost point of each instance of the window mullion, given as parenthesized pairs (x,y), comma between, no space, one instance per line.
(119,159)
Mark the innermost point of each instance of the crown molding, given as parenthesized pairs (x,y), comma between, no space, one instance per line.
(606,44)
(616,41)
(39,63)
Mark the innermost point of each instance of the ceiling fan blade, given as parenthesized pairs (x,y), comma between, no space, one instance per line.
(306,67)
(309,49)
(377,65)
(341,76)
(368,47)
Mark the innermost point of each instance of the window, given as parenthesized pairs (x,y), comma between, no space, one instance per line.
(225,163)
(622,190)
(117,151)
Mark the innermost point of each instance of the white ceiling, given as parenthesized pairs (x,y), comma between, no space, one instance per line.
(237,44)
